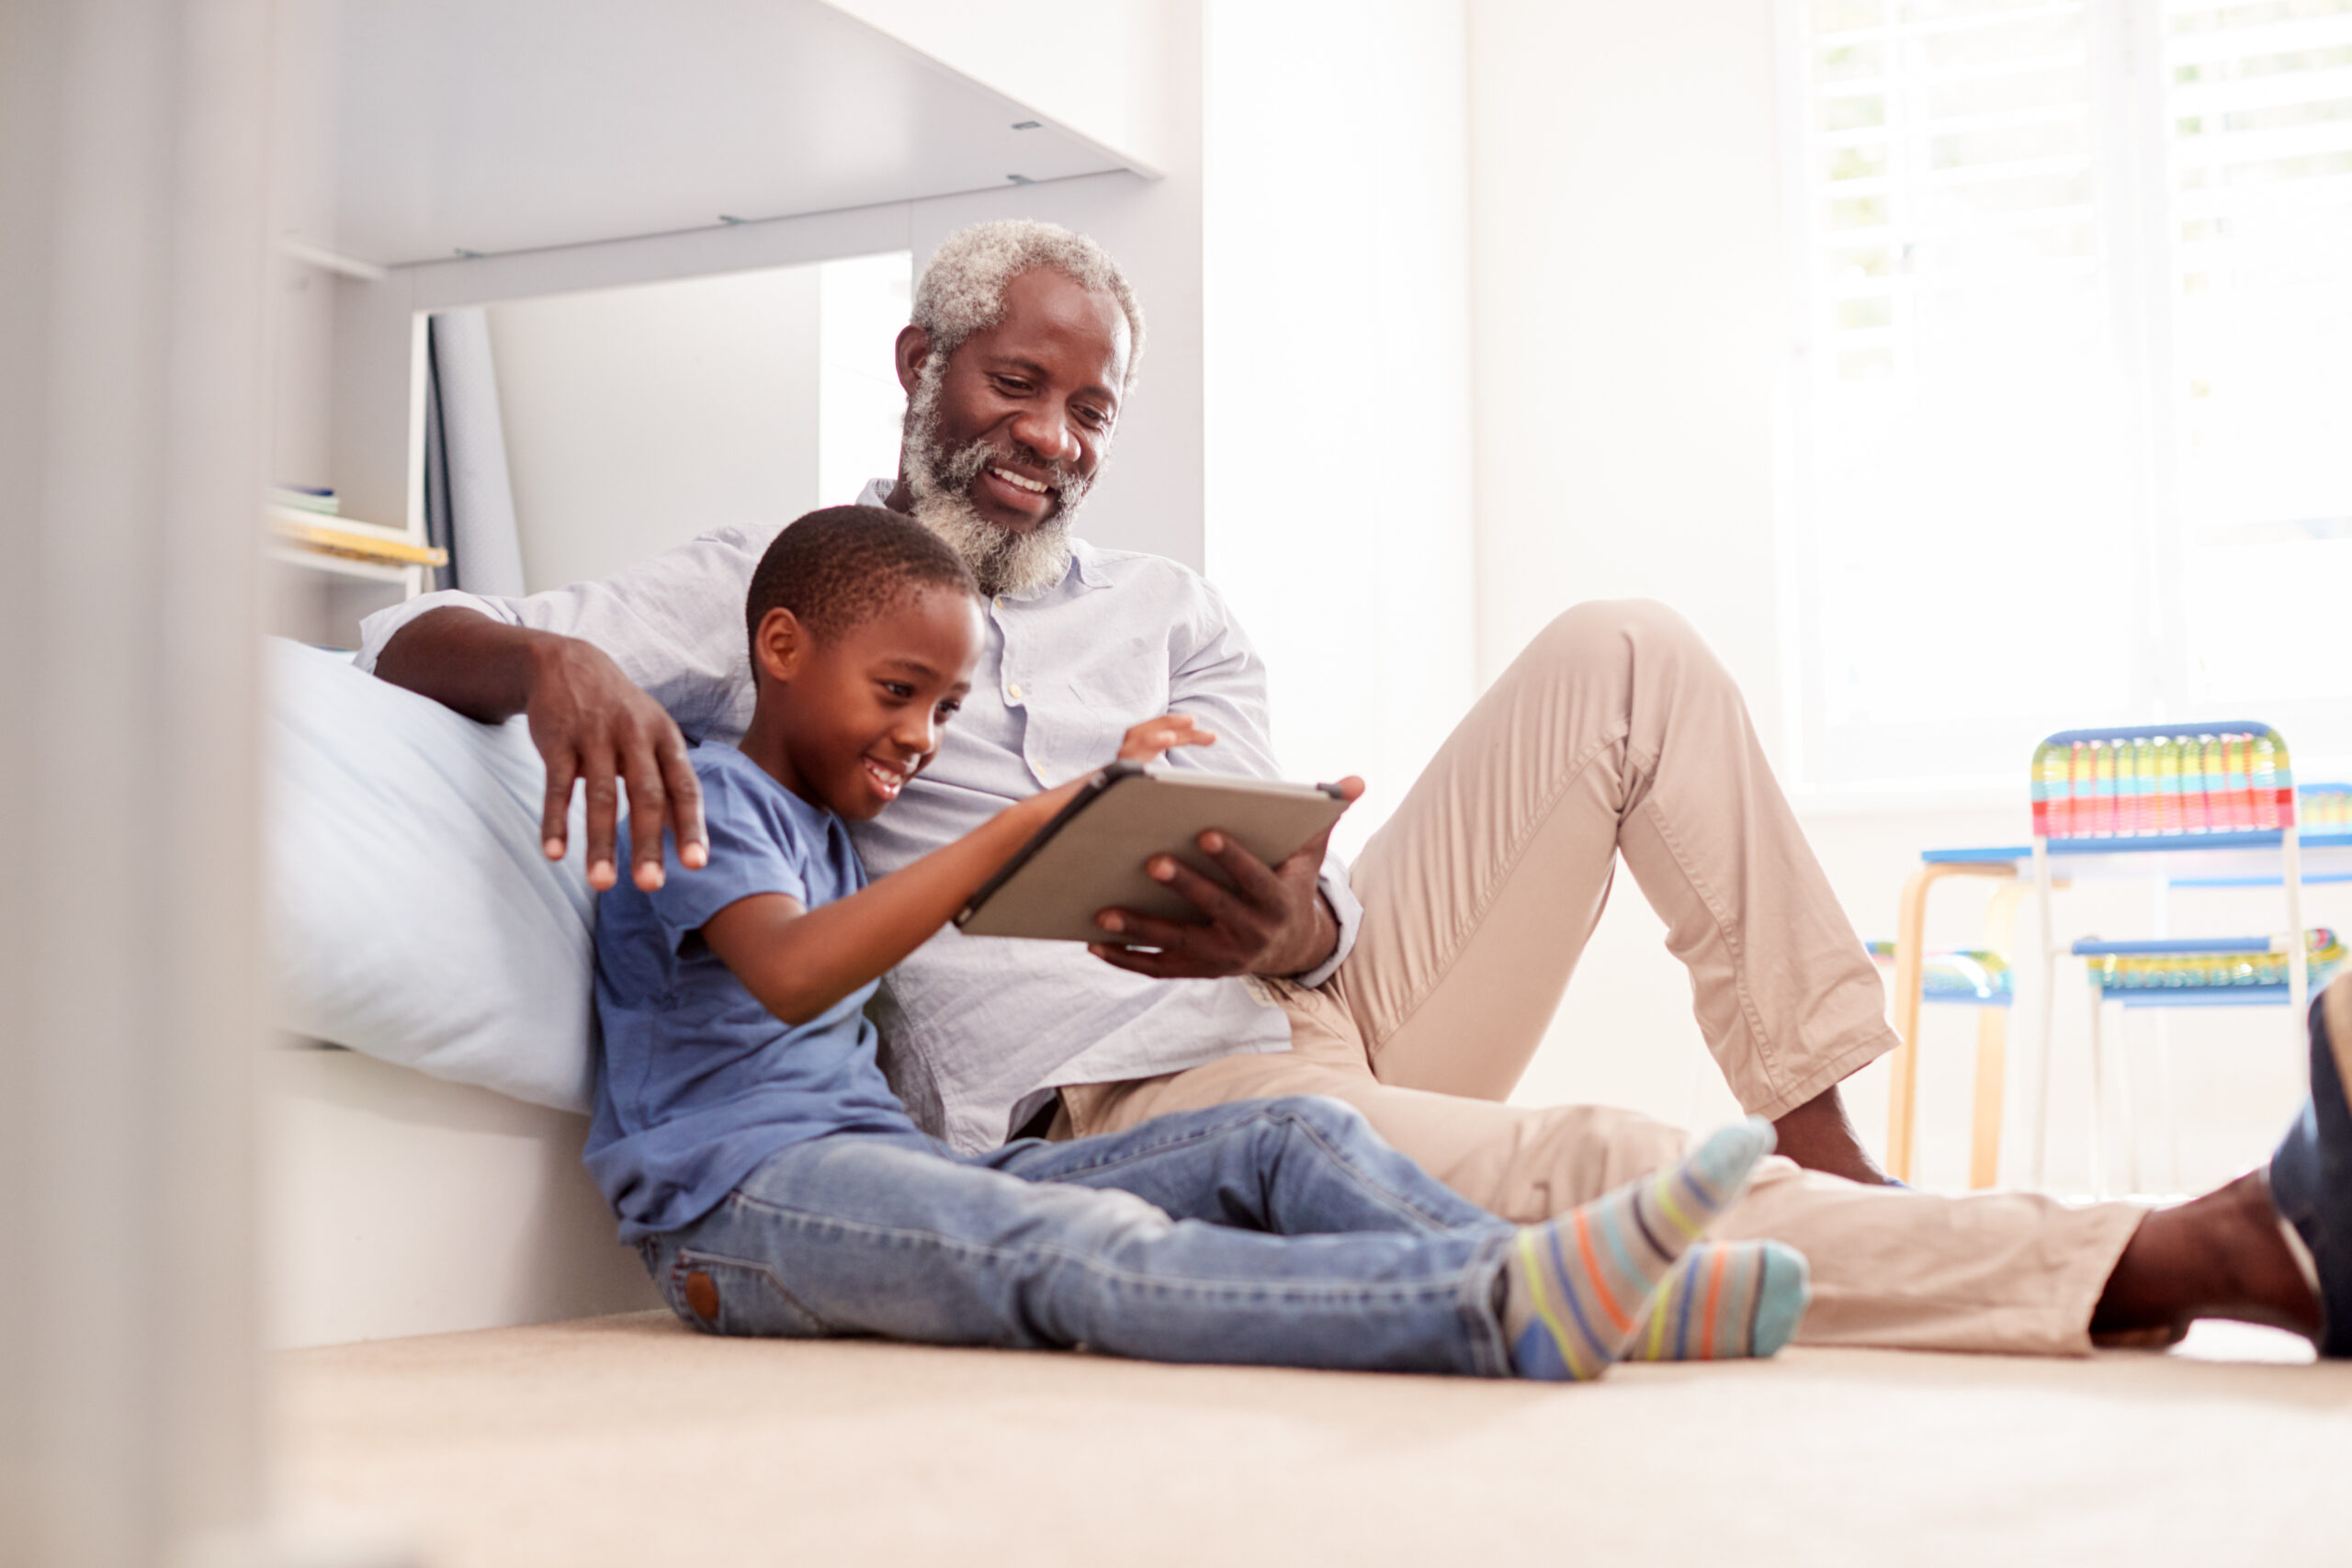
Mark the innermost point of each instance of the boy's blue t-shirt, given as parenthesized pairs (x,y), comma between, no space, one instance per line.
(698,1083)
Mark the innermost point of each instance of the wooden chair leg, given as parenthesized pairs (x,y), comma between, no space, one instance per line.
(2127,1099)
(2099,1092)
(1910,959)
(1992,1069)
(2166,1107)
(1993,1044)
(1903,1063)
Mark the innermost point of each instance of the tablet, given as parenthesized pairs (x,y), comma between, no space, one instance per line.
(1090,857)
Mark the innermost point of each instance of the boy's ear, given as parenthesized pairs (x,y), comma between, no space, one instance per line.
(781,645)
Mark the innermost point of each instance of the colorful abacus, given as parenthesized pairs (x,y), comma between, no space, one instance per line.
(2162,781)
(2132,972)
(2224,785)
(2328,807)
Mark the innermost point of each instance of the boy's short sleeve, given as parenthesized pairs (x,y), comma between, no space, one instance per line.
(753,850)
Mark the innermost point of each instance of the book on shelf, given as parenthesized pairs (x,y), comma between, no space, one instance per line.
(350,540)
(303,498)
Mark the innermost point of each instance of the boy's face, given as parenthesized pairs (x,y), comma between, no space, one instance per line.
(861,711)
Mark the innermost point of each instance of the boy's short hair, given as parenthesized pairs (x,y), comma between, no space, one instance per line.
(840,567)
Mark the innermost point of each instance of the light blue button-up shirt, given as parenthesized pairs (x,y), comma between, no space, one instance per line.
(980,1029)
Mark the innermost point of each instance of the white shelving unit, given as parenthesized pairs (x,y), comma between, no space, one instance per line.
(328,573)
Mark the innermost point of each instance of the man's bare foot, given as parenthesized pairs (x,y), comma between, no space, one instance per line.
(2219,1256)
(1819,1137)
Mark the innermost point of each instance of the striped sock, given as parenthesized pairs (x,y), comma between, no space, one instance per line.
(1723,1299)
(1575,1288)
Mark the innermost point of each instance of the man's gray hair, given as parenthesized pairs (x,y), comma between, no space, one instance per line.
(962,288)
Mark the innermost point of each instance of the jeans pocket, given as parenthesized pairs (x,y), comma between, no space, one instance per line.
(728,1295)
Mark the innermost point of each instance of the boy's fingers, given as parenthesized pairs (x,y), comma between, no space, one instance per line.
(555,816)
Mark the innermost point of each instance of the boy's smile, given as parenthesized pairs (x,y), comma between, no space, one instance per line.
(845,721)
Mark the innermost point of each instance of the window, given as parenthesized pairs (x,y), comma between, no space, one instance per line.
(862,303)
(2075,400)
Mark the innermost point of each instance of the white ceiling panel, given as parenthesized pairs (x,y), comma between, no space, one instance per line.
(507,125)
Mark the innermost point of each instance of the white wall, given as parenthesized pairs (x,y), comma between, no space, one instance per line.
(1630,311)
(638,418)
(1338,428)
(1627,310)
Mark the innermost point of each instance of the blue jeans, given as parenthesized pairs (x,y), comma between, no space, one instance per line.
(1273,1232)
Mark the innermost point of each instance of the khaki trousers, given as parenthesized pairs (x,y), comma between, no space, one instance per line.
(1619,733)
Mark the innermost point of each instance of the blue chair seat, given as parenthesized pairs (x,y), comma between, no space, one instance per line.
(1973,978)
(2203,971)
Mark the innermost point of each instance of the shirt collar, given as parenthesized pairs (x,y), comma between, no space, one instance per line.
(1088,562)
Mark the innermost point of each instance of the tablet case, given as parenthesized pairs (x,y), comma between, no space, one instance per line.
(1090,857)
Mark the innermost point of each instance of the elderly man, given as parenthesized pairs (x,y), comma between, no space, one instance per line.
(1415,986)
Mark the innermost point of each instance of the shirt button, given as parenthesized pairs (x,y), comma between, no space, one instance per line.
(1013,691)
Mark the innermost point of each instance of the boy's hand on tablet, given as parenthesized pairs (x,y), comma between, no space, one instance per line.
(1148,741)
(1145,742)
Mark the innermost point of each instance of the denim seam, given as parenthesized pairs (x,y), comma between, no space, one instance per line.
(1488,1351)
(802,1219)
(1398,1202)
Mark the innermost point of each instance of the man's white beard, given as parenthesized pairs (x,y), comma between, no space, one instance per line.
(1003,560)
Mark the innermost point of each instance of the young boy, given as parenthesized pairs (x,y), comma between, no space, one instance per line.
(747,1141)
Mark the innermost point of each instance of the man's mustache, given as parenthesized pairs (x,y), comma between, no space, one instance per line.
(962,467)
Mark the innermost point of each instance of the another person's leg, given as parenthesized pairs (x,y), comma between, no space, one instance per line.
(1997,1272)
(1616,732)
(1525,1164)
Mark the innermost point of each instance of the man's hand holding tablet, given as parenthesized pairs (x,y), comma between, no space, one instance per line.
(1176,875)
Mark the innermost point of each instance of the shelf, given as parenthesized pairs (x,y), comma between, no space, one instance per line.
(348,539)
(341,566)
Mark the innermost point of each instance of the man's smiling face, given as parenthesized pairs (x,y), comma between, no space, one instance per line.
(1024,410)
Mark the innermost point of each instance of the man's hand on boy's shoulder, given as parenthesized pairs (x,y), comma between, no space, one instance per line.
(595,726)
(590,722)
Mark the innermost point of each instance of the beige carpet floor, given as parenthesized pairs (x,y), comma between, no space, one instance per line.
(629,1441)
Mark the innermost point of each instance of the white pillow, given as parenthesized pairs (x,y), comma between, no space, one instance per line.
(412,915)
